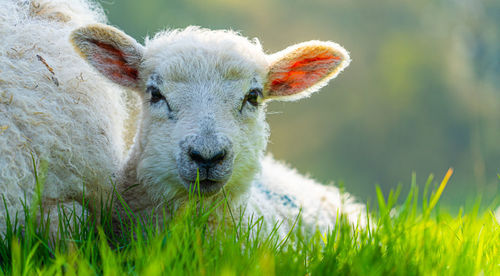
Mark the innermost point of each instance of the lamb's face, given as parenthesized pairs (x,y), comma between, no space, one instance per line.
(205,94)
(203,114)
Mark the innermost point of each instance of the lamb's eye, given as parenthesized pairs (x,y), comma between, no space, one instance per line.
(156,95)
(253,96)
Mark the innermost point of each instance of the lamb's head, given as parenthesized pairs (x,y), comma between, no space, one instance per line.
(205,94)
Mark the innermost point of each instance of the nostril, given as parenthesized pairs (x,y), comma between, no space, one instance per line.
(196,156)
(218,157)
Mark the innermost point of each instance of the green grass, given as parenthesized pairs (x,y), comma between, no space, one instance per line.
(415,237)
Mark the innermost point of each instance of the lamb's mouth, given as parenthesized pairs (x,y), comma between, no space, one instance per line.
(207,187)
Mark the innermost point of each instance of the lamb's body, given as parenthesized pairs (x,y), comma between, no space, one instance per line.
(280,193)
(73,119)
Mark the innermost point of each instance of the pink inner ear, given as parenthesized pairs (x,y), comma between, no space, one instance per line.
(301,73)
(112,63)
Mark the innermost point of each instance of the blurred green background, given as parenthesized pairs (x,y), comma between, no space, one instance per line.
(421,95)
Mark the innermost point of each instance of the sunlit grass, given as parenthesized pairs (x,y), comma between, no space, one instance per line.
(411,238)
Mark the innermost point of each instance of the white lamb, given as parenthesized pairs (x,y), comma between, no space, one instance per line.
(54,108)
(204,92)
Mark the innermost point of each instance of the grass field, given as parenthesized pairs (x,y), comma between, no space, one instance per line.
(415,237)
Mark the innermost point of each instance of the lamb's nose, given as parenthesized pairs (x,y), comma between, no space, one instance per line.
(206,162)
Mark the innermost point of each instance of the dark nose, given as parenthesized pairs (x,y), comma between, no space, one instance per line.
(204,162)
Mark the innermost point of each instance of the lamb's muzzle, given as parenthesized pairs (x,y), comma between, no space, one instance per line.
(207,157)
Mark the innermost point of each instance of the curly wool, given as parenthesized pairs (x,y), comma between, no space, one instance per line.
(54,108)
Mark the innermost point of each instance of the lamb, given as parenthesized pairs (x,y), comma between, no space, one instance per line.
(54,109)
(204,93)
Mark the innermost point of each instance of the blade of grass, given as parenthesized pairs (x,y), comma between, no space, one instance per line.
(435,198)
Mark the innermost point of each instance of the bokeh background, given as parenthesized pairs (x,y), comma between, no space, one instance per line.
(422,93)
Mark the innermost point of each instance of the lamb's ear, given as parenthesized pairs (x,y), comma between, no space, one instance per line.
(304,68)
(115,54)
